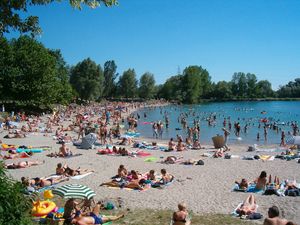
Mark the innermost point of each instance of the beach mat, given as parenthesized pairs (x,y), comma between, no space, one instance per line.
(78,177)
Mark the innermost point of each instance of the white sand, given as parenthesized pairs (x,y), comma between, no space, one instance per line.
(205,189)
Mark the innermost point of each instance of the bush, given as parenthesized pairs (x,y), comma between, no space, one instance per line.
(14,205)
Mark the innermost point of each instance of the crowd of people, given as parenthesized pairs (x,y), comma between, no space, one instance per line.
(106,122)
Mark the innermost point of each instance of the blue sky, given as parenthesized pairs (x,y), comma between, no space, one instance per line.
(158,36)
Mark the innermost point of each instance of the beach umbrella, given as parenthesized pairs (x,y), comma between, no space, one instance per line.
(293,140)
(88,141)
(74,191)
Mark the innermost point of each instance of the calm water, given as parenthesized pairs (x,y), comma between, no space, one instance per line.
(249,113)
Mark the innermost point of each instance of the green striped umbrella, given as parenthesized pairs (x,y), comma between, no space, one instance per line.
(74,191)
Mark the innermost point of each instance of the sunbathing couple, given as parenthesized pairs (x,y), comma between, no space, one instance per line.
(73,214)
(261,183)
(23,164)
(135,180)
(12,154)
(68,172)
(40,182)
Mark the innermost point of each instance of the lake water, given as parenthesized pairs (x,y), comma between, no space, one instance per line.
(251,113)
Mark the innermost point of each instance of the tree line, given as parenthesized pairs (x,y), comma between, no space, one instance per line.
(36,76)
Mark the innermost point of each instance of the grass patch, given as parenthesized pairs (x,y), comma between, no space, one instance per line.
(163,217)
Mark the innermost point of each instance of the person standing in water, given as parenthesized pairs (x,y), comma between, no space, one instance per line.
(226,134)
(282,143)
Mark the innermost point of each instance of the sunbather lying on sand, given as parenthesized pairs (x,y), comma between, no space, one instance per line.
(243,185)
(15,134)
(23,164)
(130,181)
(193,162)
(219,153)
(72,214)
(67,171)
(14,155)
(40,182)
(172,159)
(248,207)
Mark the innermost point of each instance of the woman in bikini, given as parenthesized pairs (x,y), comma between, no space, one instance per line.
(23,164)
(248,207)
(91,218)
(261,181)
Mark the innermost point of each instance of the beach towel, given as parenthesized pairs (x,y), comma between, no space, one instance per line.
(238,189)
(267,157)
(252,189)
(66,157)
(19,150)
(234,213)
(78,177)
(151,159)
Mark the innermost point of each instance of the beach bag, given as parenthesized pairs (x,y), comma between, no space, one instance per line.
(218,141)
(200,162)
(255,216)
(227,156)
(251,149)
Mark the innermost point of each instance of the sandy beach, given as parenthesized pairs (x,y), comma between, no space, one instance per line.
(205,189)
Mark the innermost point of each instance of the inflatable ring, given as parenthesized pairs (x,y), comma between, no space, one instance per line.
(42,208)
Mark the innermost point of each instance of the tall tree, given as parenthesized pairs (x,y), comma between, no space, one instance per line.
(196,84)
(172,89)
(128,84)
(264,89)
(10,10)
(222,90)
(251,85)
(110,76)
(147,86)
(239,85)
(30,71)
(87,79)
(192,84)
(64,87)
(292,89)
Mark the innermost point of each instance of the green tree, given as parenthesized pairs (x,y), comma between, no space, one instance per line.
(127,84)
(291,90)
(196,84)
(64,88)
(87,79)
(30,73)
(6,69)
(264,89)
(172,89)
(239,85)
(14,206)
(251,85)
(192,84)
(222,90)
(110,76)
(147,86)
(10,10)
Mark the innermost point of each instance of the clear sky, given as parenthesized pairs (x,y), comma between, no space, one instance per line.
(160,36)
